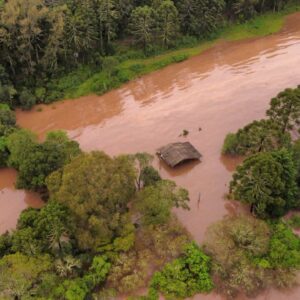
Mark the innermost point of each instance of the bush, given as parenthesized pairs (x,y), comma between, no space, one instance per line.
(7,117)
(180,57)
(27,99)
(185,276)
(294,221)
(230,144)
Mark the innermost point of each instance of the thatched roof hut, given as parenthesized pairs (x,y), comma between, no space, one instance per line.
(176,153)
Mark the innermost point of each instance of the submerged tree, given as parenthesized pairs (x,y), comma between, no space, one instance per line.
(156,201)
(36,161)
(258,136)
(249,256)
(285,109)
(266,181)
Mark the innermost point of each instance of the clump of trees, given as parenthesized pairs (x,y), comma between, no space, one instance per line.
(43,40)
(268,134)
(268,179)
(97,190)
(258,136)
(35,161)
(7,127)
(267,182)
(248,255)
(105,223)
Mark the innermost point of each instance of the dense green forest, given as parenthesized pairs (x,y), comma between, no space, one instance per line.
(49,47)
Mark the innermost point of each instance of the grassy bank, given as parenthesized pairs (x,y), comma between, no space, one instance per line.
(128,64)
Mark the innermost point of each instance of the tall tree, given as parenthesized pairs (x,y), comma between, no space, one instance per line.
(200,17)
(285,109)
(96,189)
(167,23)
(141,25)
(267,181)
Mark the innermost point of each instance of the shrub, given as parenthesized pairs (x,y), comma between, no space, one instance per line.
(185,276)
(27,99)
(294,221)
(230,144)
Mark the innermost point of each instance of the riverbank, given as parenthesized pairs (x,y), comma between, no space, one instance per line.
(132,64)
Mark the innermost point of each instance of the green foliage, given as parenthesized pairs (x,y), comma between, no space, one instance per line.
(258,136)
(248,255)
(200,18)
(5,244)
(244,9)
(96,189)
(153,247)
(36,161)
(19,145)
(149,176)
(155,202)
(294,221)
(72,289)
(97,272)
(48,230)
(266,181)
(19,273)
(185,276)
(27,99)
(285,109)
(7,117)
(230,144)
(142,25)
(167,22)
(55,49)
(284,248)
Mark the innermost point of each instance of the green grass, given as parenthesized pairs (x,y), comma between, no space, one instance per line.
(86,80)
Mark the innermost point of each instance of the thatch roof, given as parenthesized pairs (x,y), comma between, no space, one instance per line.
(176,153)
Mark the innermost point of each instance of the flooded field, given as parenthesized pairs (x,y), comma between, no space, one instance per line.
(209,95)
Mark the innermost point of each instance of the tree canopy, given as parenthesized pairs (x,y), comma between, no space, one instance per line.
(248,255)
(267,181)
(285,109)
(97,190)
(258,136)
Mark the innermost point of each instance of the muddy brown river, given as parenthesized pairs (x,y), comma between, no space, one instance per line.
(218,91)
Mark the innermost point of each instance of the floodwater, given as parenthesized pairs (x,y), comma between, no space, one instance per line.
(13,201)
(209,95)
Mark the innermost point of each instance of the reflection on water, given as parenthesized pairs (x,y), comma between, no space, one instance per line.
(221,90)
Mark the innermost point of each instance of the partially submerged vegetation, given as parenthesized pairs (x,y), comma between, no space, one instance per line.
(107,225)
